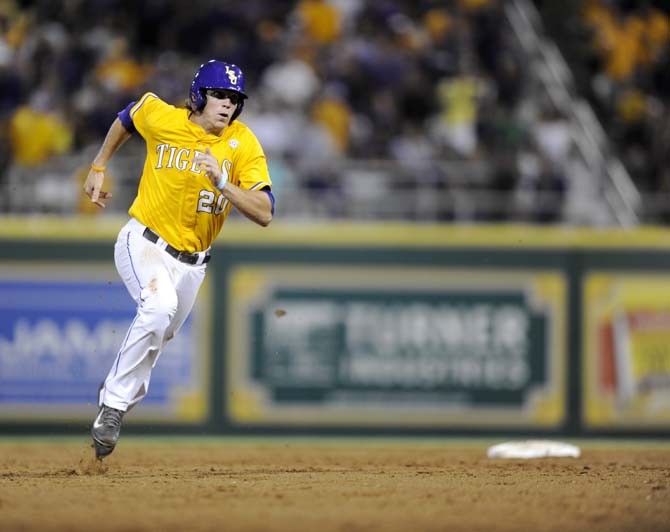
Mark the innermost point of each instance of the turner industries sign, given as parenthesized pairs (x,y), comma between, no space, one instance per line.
(451,342)
(468,349)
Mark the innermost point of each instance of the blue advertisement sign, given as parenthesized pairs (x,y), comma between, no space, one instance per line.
(58,339)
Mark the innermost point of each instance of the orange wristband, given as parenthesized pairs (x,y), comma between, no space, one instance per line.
(98,168)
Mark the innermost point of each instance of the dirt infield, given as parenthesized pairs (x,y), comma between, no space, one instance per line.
(241,485)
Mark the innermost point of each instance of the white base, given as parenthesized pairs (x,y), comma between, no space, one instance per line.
(533,449)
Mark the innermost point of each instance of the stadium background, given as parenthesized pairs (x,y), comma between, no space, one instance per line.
(469,241)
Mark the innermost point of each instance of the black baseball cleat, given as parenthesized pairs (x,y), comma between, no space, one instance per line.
(106,430)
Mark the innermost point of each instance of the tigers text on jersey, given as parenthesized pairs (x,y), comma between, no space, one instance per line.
(174,198)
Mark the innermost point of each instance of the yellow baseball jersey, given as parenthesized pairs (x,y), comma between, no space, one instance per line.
(176,199)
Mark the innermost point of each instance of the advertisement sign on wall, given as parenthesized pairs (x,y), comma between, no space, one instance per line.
(626,350)
(396,347)
(60,331)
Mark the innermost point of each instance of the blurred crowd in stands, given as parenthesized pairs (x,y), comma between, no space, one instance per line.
(619,52)
(411,81)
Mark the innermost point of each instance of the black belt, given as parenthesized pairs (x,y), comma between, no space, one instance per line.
(181,256)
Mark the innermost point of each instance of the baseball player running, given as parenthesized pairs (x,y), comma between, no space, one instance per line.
(200,161)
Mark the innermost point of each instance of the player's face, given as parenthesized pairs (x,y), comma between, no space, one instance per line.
(218,111)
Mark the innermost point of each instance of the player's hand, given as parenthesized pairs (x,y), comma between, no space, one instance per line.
(207,162)
(93,185)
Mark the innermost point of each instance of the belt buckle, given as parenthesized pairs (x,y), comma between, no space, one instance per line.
(189,258)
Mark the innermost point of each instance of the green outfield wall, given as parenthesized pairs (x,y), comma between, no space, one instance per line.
(375,328)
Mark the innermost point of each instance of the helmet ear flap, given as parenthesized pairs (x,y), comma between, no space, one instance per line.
(237,111)
(198,100)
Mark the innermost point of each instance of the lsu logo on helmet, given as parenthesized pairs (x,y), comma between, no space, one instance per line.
(231,75)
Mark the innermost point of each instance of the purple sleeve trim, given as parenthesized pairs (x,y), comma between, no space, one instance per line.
(272,198)
(125,118)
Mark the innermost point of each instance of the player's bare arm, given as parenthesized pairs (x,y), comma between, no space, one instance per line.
(116,137)
(254,204)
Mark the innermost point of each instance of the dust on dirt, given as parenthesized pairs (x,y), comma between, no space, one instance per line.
(90,465)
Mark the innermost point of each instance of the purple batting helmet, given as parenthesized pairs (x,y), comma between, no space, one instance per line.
(217,75)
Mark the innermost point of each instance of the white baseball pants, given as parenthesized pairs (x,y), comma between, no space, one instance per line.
(164,290)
